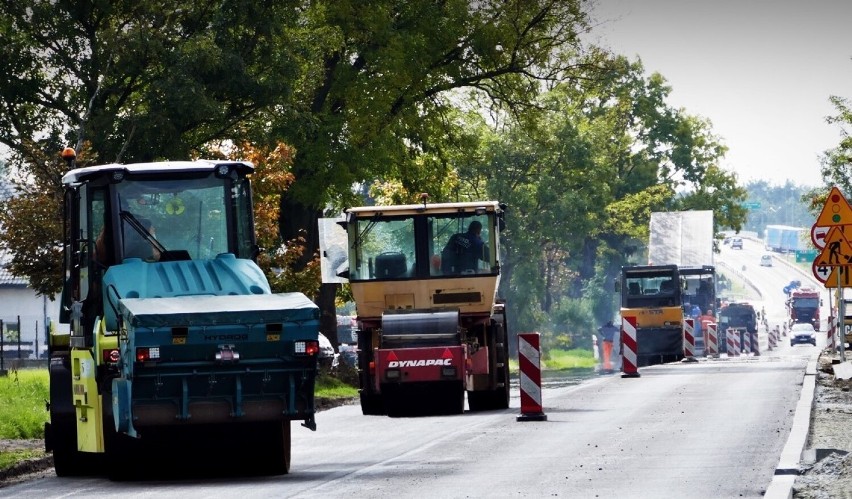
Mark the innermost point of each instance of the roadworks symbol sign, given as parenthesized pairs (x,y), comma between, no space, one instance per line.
(837,251)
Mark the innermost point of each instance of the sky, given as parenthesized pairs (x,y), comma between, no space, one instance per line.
(761,71)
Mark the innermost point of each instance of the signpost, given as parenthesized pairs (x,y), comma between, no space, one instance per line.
(833,265)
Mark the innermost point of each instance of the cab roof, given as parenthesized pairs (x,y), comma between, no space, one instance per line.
(82,174)
(432,208)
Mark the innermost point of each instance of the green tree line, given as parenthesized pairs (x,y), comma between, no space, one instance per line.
(463,100)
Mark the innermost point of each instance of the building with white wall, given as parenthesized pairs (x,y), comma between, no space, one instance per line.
(20,302)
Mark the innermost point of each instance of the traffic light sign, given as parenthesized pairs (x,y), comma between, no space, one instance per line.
(836,210)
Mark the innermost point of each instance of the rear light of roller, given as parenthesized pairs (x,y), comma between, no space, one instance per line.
(145,354)
(306,347)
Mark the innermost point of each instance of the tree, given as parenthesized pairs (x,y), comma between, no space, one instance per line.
(385,79)
(382,84)
(583,179)
(837,162)
(360,90)
(124,82)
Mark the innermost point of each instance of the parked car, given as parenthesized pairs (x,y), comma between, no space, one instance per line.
(328,358)
(766,261)
(737,243)
(349,355)
(347,329)
(801,334)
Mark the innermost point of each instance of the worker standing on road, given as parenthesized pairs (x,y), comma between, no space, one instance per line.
(707,318)
(607,332)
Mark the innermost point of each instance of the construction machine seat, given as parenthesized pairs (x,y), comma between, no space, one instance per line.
(390,264)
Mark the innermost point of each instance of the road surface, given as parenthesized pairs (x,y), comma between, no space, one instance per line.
(711,429)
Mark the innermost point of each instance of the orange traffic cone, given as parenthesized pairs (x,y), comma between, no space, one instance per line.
(607,353)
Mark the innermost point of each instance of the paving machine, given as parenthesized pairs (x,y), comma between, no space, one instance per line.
(424,279)
(652,294)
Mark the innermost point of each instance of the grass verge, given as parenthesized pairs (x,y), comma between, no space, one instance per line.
(328,386)
(12,458)
(22,413)
(554,360)
(569,359)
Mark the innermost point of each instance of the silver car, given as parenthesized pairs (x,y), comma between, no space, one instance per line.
(802,334)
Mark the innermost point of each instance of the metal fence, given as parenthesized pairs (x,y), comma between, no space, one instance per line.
(14,349)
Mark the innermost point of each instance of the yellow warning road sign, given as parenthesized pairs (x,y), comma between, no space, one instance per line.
(845,277)
(835,211)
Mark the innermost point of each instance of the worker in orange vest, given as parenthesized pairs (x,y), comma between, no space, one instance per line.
(707,318)
(607,332)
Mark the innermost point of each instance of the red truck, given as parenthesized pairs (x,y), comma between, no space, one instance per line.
(803,307)
(431,330)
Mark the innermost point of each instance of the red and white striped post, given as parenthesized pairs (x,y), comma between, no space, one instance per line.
(737,346)
(529,361)
(755,343)
(629,348)
(832,325)
(733,342)
(596,349)
(711,341)
(689,340)
(747,342)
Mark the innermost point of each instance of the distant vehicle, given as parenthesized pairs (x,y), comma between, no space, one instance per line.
(803,306)
(785,239)
(802,333)
(766,261)
(737,243)
(737,317)
(790,287)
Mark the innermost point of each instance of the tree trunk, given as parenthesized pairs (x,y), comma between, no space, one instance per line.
(299,220)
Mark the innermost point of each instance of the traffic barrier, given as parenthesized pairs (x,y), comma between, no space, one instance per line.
(832,328)
(595,349)
(689,340)
(747,342)
(711,341)
(629,348)
(733,342)
(607,355)
(755,343)
(529,362)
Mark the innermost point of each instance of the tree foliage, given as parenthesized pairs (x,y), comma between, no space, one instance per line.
(836,167)
(464,100)
(584,178)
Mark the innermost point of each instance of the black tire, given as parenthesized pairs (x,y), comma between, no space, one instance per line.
(277,444)
(455,400)
(372,404)
(497,398)
(125,456)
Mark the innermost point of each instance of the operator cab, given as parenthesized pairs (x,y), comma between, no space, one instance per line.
(152,212)
(416,257)
(409,242)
